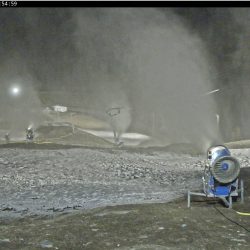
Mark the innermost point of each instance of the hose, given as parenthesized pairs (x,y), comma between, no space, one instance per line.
(242,213)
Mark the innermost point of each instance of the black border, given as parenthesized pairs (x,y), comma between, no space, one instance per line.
(130,4)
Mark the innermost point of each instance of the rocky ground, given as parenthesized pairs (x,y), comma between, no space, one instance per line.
(48,193)
(45,181)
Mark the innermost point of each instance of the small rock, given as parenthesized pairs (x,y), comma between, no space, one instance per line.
(8,209)
(46,244)
(86,244)
(4,240)
(242,234)
(143,237)
(34,198)
(56,209)
(77,207)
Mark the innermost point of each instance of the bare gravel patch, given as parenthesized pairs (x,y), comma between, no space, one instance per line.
(51,181)
(44,182)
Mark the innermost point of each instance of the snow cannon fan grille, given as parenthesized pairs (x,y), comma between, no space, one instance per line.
(225,169)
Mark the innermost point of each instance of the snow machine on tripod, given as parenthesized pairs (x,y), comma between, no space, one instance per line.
(221,177)
(29,134)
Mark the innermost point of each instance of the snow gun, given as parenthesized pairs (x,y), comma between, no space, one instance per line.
(221,177)
(29,134)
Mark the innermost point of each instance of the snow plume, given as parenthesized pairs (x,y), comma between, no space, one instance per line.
(144,60)
(225,35)
(102,44)
(239,90)
(20,104)
(152,60)
(20,109)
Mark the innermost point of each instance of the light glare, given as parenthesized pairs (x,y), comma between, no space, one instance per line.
(15,91)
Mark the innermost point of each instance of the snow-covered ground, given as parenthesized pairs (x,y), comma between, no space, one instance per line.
(48,181)
(128,139)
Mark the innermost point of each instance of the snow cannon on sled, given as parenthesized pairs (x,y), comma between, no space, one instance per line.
(221,177)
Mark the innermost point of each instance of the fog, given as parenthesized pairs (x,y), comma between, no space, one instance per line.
(21,109)
(156,72)
(224,33)
(155,65)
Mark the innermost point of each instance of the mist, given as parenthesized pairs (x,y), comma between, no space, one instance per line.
(22,109)
(155,65)
(148,63)
(224,33)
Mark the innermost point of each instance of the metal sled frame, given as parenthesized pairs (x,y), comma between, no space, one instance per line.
(228,203)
